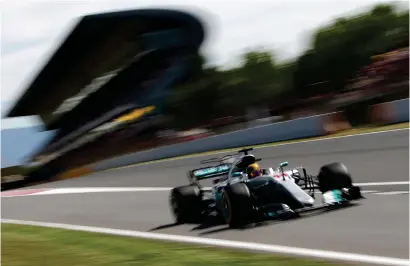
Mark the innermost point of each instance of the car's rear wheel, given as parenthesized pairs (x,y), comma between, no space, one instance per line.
(236,205)
(186,204)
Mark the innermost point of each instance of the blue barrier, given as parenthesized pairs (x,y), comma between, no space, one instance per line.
(293,129)
(400,110)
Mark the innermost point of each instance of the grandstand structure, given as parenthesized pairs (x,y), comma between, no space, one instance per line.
(111,74)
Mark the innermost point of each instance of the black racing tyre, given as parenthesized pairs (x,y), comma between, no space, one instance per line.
(236,205)
(334,176)
(186,204)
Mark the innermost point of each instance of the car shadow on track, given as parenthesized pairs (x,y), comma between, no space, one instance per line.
(214,225)
(210,222)
(165,226)
(279,221)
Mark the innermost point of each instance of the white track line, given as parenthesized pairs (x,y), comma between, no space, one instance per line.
(74,190)
(63,191)
(392,193)
(323,254)
(394,183)
(102,189)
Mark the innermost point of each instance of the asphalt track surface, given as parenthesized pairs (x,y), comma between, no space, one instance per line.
(379,225)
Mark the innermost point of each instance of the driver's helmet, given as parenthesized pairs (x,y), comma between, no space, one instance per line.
(253,170)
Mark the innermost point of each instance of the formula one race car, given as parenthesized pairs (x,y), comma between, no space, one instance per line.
(240,200)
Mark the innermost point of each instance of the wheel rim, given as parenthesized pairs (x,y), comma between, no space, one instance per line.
(226,209)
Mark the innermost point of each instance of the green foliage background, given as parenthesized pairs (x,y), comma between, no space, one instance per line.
(337,52)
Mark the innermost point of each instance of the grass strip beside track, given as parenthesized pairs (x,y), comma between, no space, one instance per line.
(25,245)
(353,131)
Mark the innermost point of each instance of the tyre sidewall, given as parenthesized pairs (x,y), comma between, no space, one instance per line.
(186,204)
(236,204)
(334,176)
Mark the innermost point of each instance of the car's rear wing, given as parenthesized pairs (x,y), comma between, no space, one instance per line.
(209,172)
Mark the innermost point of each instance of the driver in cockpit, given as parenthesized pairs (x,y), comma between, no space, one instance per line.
(253,170)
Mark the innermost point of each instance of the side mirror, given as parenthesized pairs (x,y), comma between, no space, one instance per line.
(283,164)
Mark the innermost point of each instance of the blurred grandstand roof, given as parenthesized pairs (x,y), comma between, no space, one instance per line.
(107,68)
(98,47)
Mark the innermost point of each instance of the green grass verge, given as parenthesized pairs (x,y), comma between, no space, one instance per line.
(353,131)
(24,245)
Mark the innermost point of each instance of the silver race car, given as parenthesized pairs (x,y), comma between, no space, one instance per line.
(239,198)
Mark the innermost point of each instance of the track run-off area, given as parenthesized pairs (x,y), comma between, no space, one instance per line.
(133,201)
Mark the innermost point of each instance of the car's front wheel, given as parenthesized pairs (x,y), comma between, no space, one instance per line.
(334,176)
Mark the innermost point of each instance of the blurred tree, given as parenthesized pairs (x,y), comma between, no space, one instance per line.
(193,102)
(337,52)
(258,70)
(341,48)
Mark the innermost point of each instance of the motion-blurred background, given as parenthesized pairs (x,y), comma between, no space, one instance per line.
(260,63)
